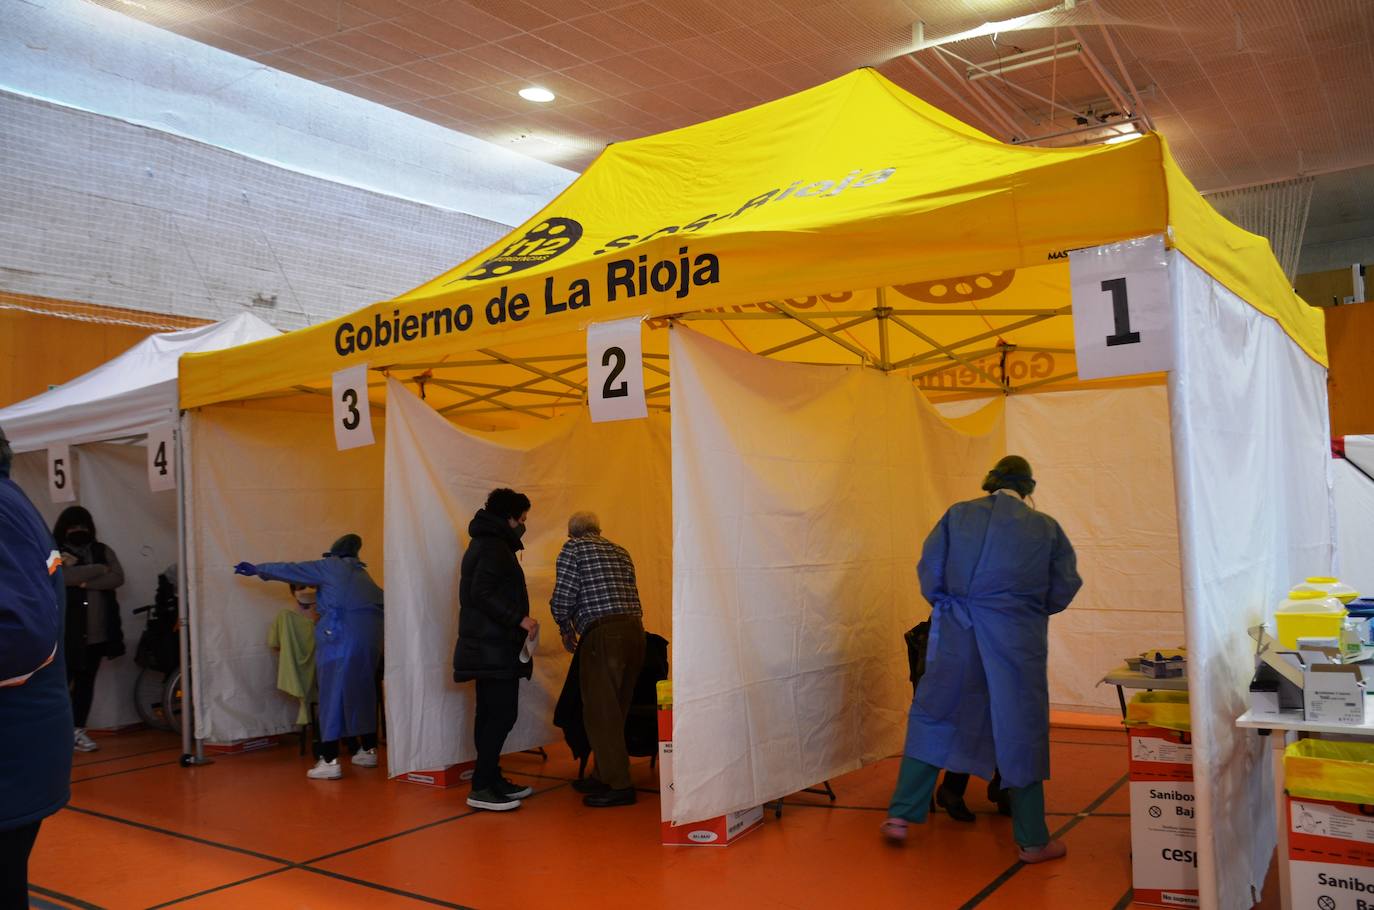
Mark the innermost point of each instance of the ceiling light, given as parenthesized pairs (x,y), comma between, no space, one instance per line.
(1123,137)
(536,94)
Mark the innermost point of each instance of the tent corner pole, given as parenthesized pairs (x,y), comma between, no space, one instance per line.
(884,313)
(192,749)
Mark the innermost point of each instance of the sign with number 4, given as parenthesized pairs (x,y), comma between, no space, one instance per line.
(61,474)
(1122,313)
(162,462)
(615,370)
(352,416)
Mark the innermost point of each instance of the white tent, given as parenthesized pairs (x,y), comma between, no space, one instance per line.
(125,397)
(105,414)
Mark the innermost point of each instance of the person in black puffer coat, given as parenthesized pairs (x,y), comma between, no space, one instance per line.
(494,624)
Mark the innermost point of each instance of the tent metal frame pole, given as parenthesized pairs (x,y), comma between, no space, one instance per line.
(529,367)
(972,355)
(500,405)
(946,351)
(947,311)
(1048,380)
(884,314)
(192,749)
(1020,88)
(458,385)
(493,362)
(989,126)
(490,396)
(864,356)
(994,333)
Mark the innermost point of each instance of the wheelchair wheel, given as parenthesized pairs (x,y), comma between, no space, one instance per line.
(150,688)
(172,701)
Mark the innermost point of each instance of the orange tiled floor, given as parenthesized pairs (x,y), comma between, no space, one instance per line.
(251,831)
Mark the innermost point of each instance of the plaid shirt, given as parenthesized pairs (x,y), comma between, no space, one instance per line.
(596,579)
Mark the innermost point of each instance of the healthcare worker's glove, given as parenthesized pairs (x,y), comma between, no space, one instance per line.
(245,568)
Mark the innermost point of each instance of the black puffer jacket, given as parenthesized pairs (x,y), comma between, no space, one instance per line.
(492,600)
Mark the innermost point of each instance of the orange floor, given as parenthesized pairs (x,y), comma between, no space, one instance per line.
(250,831)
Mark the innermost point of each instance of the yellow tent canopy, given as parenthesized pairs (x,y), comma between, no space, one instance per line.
(851,222)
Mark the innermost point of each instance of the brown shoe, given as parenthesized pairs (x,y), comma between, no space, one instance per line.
(1055,849)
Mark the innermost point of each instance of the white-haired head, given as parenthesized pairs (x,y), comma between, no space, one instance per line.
(584,524)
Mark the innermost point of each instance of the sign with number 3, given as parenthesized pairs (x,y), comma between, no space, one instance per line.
(352,416)
(615,370)
(1122,311)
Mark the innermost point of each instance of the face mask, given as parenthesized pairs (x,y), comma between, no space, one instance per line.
(305,598)
(79,538)
(518,531)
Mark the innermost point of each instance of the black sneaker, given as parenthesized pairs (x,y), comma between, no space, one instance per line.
(585,785)
(608,798)
(492,800)
(514,790)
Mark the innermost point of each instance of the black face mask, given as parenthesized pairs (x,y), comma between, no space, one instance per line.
(79,538)
(518,531)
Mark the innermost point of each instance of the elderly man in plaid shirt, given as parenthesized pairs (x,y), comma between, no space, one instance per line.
(596,605)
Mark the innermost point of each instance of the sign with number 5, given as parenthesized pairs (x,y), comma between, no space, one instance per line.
(615,370)
(61,474)
(1122,312)
(352,416)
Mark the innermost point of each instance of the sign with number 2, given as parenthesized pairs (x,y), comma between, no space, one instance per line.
(352,416)
(615,370)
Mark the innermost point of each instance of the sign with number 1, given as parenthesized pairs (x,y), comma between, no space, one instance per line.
(1122,311)
(352,416)
(615,370)
(61,474)
(162,462)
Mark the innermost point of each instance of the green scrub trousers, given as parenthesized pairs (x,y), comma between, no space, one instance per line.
(916,785)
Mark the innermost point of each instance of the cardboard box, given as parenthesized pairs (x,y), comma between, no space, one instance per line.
(1334,694)
(720,831)
(1331,855)
(1163,818)
(441,778)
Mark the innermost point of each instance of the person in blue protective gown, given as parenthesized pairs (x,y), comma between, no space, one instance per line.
(994,571)
(348,649)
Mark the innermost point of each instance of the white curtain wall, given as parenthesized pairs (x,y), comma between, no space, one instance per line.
(1354,494)
(266,484)
(801,497)
(437,477)
(138,524)
(1105,471)
(1251,456)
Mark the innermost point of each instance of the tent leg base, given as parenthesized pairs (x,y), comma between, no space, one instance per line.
(190,760)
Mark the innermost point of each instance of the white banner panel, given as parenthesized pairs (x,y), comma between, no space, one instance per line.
(1122,316)
(801,498)
(437,476)
(615,370)
(352,416)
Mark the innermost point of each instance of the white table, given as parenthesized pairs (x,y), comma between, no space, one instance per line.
(1123,677)
(1291,726)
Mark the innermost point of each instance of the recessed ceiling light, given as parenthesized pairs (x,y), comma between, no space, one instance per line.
(536,94)
(1123,137)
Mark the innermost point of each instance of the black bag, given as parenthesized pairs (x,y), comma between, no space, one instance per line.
(917,638)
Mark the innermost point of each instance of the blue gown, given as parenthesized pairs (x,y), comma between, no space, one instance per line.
(348,640)
(994,571)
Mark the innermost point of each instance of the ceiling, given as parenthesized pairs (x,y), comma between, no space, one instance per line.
(1246,91)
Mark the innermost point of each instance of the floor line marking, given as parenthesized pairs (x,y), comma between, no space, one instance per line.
(386,888)
(161,764)
(58,895)
(225,887)
(177,834)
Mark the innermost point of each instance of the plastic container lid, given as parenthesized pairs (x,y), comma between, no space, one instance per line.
(1310,602)
(1329,585)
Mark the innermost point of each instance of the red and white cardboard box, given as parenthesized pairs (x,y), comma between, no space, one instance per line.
(441,778)
(720,831)
(1163,818)
(1330,854)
